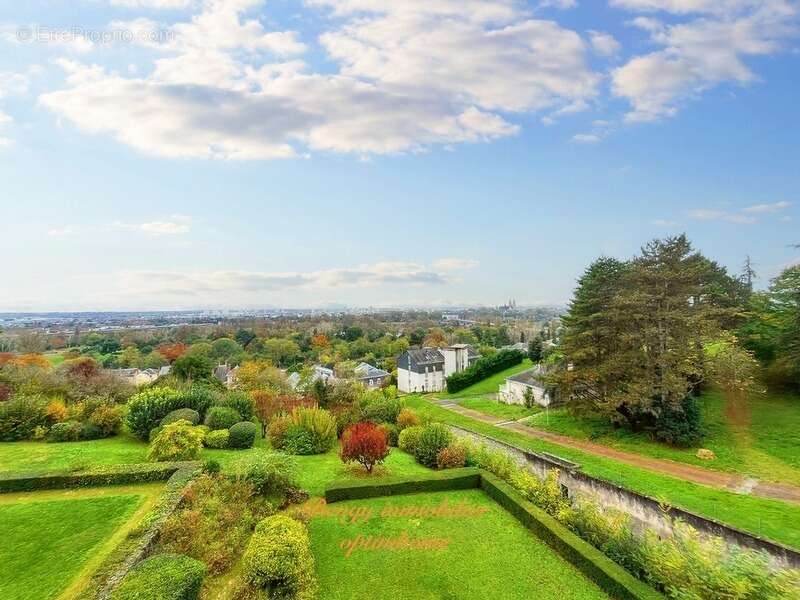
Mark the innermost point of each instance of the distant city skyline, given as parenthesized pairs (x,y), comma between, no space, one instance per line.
(243,154)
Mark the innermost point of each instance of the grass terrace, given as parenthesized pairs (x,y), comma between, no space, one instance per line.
(473,555)
(773,519)
(54,540)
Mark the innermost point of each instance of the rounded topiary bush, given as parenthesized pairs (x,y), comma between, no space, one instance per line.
(177,441)
(90,431)
(222,417)
(217,439)
(433,439)
(243,435)
(278,559)
(181,414)
(408,439)
(162,577)
(69,431)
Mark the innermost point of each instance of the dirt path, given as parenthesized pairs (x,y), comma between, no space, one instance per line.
(737,483)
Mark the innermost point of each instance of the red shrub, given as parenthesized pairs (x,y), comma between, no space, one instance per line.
(5,392)
(364,443)
(270,404)
(84,368)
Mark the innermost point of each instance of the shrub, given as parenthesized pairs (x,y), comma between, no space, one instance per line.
(407,418)
(452,457)
(217,439)
(278,559)
(216,518)
(56,411)
(495,461)
(176,441)
(108,417)
(432,440)
(211,467)
(391,433)
(270,473)
(364,443)
(319,427)
(277,431)
(222,417)
(153,433)
(147,408)
(544,494)
(241,402)
(384,410)
(19,417)
(299,441)
(181,414)
(162,577)
(483,368)
(680,426)
(243,435)
(68,431)
(408,440)
(90,431)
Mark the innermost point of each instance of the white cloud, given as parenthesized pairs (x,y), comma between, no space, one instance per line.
(586,138)
(175,225)
(666,223)
(767,208)
(10,83)
(209,284)
(411,74)
(454,264)
(698,54)
(603,43)
(703,214)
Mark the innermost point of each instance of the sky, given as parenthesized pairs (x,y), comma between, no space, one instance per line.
(182,154)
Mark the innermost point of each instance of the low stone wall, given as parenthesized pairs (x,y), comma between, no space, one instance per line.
(645,511)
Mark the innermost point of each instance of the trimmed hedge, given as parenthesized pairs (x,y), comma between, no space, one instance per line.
(147,408)
(114,475)
(162,577)
(590,561)
(242,435)
(452,479)
(483,368)
(222,417)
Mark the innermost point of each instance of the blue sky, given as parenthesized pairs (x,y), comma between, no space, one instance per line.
(239,153)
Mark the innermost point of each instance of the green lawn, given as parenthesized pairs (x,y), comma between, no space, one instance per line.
(486,555)
(769,449)
(488,405)
(45,544)
(490,385)
(769,518)
(315,472)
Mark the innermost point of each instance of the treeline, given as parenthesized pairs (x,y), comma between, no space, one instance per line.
(643,336)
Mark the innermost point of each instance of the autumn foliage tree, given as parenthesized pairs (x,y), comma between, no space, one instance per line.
(270,403)
(364,443)
(172,352)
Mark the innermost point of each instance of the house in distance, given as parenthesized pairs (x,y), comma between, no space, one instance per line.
(426,369)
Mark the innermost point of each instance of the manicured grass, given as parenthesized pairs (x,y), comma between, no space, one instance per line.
(490,385)
(488,405)
(487,555)
(769,449)
(55,358)
(46,543)
(770,518)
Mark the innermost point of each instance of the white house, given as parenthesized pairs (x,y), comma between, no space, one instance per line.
(457,358)
(420,370)
(426,369)
(514,389)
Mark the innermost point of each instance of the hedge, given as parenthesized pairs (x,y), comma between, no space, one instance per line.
(112,475)
(590,561)
(483,368)
(452,479)
(162,577)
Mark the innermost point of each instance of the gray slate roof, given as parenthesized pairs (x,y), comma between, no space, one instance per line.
(367,371)
(530,377)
